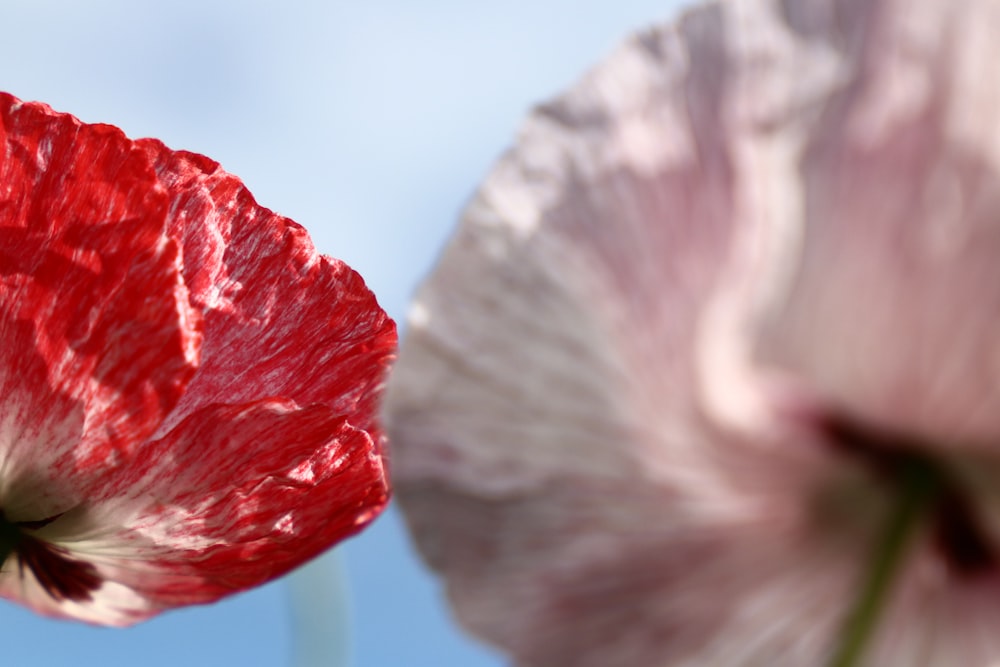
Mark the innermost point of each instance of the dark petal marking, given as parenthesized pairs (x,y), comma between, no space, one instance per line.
(960,538)
(61,576)
(36,525)
(883,452)
(957,531)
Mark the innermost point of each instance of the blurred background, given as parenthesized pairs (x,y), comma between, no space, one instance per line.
(370,123)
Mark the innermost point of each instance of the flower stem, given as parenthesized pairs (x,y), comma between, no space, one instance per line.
(919,485)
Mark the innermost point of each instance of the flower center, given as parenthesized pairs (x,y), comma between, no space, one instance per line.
(957,531)
(926,492)
(62,577)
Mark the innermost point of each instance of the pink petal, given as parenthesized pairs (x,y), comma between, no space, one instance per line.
(585,441)
(237,370)
(894,298)
(550,448)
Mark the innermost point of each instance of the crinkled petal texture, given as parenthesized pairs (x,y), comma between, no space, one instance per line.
(601,417)
(189,391)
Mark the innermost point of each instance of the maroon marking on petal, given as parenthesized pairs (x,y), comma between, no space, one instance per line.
(62,577)
(35,525)
(957,532)
(960,538)
(882,452)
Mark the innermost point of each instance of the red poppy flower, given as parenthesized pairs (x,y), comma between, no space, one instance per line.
(710,373)
(187,389)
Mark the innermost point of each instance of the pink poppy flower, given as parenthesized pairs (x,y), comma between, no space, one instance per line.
(709,373)
(188,390)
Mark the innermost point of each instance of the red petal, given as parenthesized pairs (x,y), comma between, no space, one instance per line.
(89,285)
(154,262)
(280,320)
(231,498)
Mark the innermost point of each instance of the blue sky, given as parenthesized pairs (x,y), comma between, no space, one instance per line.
(368,123)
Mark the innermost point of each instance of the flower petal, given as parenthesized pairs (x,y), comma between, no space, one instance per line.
(551,445)
(230,499)
(280,319)
(90,287)
(595,416)
(891,308)
(250,439)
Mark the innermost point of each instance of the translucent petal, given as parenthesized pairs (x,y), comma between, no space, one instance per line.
(189,389)
(601,414)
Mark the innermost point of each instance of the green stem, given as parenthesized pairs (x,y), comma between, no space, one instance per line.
(919,485)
